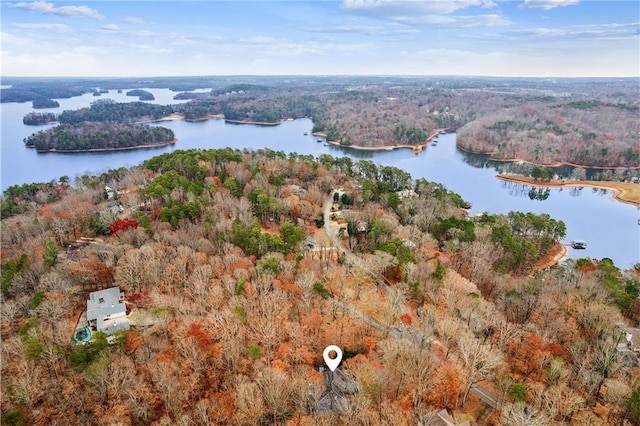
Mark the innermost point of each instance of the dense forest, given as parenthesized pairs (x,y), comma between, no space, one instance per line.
(596,126)
(589,123)
(37,90)
(39,118)
(142,95)
(103,110)
(98,136)
(44,103)
(239,268)
(108,110)
(263,115)
(580,133)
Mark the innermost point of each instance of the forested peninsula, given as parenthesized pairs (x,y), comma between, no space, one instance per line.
(108,110)
(238,268)
(577,122)
(588,134)
(99,136)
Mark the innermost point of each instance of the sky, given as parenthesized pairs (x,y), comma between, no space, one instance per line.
(522,38)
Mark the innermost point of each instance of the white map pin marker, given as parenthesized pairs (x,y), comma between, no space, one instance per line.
(332,363)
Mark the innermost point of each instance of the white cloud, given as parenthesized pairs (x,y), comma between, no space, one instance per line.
(494,63)
(10,38)
(547,4)
(258,40)
(49,8)
(133,20)
(420,7)
(82,60)
(87,50)
(362,29)
(56,28)
(143,33)
(282,47)
(151,49)
(367,29)
(111,27)
(427,13)
(611,31)
(488,20)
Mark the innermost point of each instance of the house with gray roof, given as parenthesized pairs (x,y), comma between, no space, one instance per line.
(106,311)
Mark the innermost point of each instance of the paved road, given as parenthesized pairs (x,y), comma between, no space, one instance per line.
(332,230)
(407,332)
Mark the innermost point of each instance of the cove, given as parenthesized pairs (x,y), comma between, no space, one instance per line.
(610,227)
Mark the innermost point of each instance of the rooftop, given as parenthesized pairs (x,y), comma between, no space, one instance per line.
(106,312)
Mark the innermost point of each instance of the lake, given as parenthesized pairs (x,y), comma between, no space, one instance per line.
(610,227)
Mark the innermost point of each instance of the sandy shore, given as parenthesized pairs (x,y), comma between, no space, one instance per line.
(371,148)
(257,123)
(625,192)
(178,117)
(124,148)
(557,253)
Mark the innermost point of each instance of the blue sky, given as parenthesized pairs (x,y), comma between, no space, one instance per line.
(582,38)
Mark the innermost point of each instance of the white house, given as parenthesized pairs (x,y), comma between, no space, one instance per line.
(106,312)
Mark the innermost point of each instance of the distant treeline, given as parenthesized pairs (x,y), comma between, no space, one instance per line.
(103,110)
(120,112)
(95,135)
(270,109)
(44,91)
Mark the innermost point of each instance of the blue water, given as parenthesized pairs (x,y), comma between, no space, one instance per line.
(610,227)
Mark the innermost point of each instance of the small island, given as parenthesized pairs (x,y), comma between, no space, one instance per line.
(44,103)
(143,95)
(92,137)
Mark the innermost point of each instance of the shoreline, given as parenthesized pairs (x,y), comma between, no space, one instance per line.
(558,254)
(180,117)
(624,192)
(124,148)
(556,164)
(417,149)
(257,123)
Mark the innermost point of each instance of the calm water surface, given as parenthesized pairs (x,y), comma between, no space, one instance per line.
(610,227)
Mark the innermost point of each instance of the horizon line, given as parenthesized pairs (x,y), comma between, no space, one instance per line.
(323,76)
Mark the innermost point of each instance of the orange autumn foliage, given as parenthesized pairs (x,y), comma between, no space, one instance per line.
(132,341)
(447,383)
(141,299)
(201,336)
(223,405)
(406,319)
(530,355)
(91,274)
(165,357)
(280,365)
